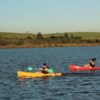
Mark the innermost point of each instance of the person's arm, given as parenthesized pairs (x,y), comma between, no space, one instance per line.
(38,68)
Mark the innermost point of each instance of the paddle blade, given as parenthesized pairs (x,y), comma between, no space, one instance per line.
(50,70)
(30,68)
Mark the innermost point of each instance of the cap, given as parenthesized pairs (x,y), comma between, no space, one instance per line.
(93,59)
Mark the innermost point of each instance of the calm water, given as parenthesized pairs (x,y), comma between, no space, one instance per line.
(70,87)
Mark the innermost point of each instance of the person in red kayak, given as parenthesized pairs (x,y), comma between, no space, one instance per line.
(91,63)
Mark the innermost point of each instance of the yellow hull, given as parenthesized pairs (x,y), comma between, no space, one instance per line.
(22,74)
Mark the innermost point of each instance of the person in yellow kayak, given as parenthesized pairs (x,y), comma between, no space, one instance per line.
(45,69)
(91,63)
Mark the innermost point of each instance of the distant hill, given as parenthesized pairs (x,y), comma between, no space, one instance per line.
(27,40)
(84,35)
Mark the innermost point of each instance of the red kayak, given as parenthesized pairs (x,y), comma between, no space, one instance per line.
(73,67)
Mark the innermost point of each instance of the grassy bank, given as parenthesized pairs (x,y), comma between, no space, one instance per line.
(29,40)
(84,35)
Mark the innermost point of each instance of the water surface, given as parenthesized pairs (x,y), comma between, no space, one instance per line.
(69,87)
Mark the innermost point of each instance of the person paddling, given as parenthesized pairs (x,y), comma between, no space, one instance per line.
(45,69)
(91,63)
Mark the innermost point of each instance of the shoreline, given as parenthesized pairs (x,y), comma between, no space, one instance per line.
(49,45)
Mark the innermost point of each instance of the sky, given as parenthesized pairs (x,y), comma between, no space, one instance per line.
(49,16)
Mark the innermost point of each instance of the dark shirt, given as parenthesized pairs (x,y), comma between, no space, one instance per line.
(92,63)
(44,71)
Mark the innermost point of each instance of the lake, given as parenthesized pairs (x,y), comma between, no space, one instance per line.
(69,87)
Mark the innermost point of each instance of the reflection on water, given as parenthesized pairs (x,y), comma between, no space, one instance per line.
(71,86)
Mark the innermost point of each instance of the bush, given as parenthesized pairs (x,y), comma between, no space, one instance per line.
(39,36)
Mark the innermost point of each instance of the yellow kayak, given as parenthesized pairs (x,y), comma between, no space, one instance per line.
(23,74)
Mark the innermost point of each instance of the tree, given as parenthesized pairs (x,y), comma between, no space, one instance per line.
(52,37)
(66,35)
(39,35)
(29,37)
(71,36)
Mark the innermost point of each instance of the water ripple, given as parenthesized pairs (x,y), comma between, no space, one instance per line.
(73,86)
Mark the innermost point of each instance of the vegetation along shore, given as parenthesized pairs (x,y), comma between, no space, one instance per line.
(29,40)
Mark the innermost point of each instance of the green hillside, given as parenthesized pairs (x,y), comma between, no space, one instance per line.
(14,35)
(84,35)
(28,40)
